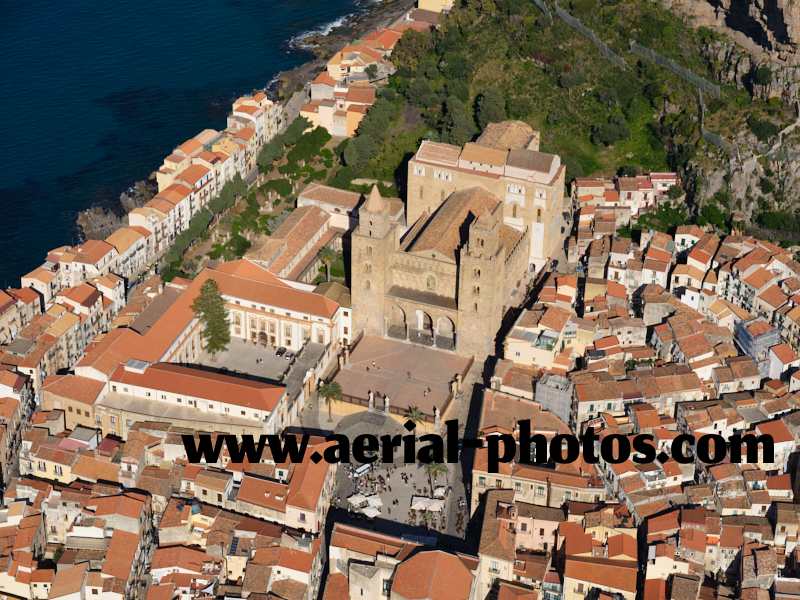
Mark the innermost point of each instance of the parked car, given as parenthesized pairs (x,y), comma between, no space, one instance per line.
(289,355)
(280,351)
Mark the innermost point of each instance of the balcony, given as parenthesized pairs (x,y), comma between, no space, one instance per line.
(421,336)
(398,332)
(445,342)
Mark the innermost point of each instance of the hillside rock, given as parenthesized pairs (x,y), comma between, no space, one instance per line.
(98,222)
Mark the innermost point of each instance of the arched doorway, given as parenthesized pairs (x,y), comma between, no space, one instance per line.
(422,332)
(445,333)
(263,339)
(396,326)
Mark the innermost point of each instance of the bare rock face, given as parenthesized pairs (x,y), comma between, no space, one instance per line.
(98,222)
(772,24)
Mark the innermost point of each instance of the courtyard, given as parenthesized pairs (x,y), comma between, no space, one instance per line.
(407,374)
(248,359)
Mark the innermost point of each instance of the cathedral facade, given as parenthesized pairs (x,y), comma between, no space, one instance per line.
(443,281)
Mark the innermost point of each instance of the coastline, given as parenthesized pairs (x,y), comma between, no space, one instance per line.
(100,220)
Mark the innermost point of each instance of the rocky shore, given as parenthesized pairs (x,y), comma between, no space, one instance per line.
(323,46)
(98,222)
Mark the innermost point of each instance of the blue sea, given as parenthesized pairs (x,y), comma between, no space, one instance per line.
(93,94)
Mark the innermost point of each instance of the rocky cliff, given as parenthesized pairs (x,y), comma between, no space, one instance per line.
(757,34)
(772,24)
(99,222)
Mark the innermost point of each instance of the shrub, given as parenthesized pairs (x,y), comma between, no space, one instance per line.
(763,129)
(762,75)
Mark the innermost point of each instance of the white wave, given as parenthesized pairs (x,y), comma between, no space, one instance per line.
(301,39)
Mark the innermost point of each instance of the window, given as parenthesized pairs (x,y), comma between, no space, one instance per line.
(482,481)
(515,189)
(430,283)
(369,250)
(419,170)
(302,517)
(523,526)
(541,531)
(476,273)
(367,285)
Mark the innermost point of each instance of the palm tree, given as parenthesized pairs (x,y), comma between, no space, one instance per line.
(434,470)
(415,415)
(327,256)
(329,392)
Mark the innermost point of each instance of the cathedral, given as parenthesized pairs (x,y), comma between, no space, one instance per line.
(442,270)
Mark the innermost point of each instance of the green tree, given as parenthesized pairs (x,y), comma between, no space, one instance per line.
(490,107)
(209,307)
(763,129)
(674,192)
(415,415)
(434,470)
(459,123)
(762,75)
(609,133)
(372,72)
(328,257)
(329,392)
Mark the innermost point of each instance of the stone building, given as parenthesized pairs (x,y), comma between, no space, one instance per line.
(443,282)
(505,160)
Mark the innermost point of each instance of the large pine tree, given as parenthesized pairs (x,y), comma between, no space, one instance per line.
(209,307)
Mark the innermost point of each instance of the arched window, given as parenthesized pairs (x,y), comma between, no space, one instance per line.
(367,285)
(431,283)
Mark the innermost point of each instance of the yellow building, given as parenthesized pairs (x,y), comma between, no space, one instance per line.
(505,161)
(435,5)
